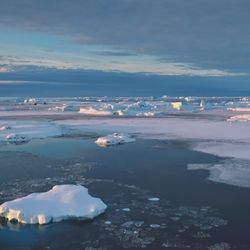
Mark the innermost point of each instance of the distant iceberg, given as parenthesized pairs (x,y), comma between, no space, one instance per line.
(62,202)
(92,111)
(114,139)
(176,105)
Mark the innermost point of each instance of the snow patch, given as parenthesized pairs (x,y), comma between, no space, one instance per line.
(62,202)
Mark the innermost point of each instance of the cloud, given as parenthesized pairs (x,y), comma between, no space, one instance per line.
(208,34)
(11,63)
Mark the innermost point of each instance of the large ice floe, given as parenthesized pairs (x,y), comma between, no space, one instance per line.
(62,202)
(23,130)
(114,139)
(93,111)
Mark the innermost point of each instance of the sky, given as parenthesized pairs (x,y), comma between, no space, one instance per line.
(192,38)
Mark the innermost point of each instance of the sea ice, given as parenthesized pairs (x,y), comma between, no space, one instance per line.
(60,203)
(241,118)
(4,128)
(176,105)
(16,138)
(32,101)
(114,139)
(92,111)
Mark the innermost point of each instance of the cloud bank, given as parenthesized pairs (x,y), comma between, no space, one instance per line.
(203,34)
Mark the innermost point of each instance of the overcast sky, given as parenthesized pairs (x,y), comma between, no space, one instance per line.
(167,37)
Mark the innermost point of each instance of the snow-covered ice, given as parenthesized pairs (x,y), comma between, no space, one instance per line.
(93,111)
(62,202)
(114,139)
(29,129)
(176,105)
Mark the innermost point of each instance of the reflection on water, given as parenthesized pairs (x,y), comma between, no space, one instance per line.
(191,212)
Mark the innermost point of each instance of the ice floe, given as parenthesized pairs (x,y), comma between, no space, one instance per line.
(62,202)
(93,111)
(5,128)
(29,129)
(114,139)
(231,171)
(176,105)
(15,138)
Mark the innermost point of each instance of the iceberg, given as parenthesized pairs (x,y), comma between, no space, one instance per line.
(62,202)
(92,111)
(32,101)
(114,139)
(176,105)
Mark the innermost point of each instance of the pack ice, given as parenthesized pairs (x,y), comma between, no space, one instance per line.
(60,203)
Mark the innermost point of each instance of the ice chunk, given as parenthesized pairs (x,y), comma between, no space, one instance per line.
(60,203)
(119,113)
(176,105)
(4,128)
(16,138)
(114,139)
(30,101)
(154,199)
(92,111)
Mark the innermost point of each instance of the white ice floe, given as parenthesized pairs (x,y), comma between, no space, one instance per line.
(14,138)
(114,139)
(30,129)
(176,105)
(5,128)
(32,101)
(94,112)
(241,118)
(230,149)
(153,199)
(234,172)
(64,108)
(62,202)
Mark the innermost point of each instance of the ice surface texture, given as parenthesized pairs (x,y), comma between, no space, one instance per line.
(60,203)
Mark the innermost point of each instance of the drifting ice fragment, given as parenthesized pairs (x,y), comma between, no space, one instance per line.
(60,203)
(4,128)
(114,139)
(16,138)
